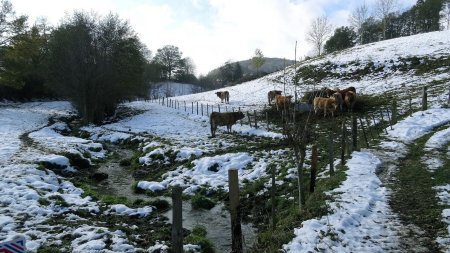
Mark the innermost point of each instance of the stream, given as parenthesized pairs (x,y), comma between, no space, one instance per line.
(216,221)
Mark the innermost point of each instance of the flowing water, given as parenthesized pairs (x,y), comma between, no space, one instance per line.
(216,221)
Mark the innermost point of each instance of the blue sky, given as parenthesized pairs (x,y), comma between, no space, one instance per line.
(212,32)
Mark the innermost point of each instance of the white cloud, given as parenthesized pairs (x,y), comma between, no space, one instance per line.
(210,32)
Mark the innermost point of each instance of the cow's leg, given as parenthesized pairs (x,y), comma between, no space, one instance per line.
(213,130)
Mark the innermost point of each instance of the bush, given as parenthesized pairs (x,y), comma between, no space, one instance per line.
(202,202)
(198,237)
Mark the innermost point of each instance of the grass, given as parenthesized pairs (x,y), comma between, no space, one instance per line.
(414,198)
(198,237)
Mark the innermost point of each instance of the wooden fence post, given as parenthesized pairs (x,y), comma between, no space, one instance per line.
(394,111)
(192,107)
(344,137)
(163,101)
(410,104)
(330,152)
(312,184)
(368,128)
(207,109)
(177,220)
(382,119)
(448,99)
(202,108)
(272,196)
(218,107)
(185,106)
(197,108)
(354,133)
(256,123)
(375,125)
(236,232)
(249,121)
(389,117)
(364,132)
(424,98)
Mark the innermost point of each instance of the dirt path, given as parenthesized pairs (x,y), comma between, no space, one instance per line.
(416,216)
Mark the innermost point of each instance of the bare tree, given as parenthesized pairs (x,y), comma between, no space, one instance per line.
(258,60)
(319,32)
(383,8)
(357,19)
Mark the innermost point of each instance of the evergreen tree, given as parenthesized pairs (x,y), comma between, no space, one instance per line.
(373,31)
(343,37)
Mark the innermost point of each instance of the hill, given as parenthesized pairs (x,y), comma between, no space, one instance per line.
(83,185)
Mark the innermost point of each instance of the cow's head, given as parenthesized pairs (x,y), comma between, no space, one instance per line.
(240,115)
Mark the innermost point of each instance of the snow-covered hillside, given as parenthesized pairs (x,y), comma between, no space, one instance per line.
(385,67)
(178,142)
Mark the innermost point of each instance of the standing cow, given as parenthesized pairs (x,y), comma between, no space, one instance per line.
(325,104)
(224,95)
(350,100)
(272,94)
(283,102)
(224,119)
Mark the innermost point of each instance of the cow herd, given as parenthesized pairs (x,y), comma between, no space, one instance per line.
(326,100)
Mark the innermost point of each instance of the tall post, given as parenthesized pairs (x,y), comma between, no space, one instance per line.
(197,108)
(177,220)
(192,107)
(236,231)
(256,123)
(424,98)
(185,106)
(312,184)
(202,108)
(249,121)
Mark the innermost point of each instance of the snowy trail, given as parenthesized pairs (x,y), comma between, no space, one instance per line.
(360,218)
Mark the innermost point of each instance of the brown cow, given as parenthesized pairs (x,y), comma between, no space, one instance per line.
(272,94)
(325,104)
(339,100)
(223,95)
(283,102)
(224,119)
(350,100)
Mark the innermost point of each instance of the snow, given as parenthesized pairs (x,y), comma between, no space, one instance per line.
(360,219)
(359,214)
(208,171)
(124,210)
(419,124)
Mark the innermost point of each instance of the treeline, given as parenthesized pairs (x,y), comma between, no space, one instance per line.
(95,62)
(231,73)
(387,23)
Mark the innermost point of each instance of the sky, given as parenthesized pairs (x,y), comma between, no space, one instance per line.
(211,32)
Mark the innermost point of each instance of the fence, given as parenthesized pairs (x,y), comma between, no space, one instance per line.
(353,132)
